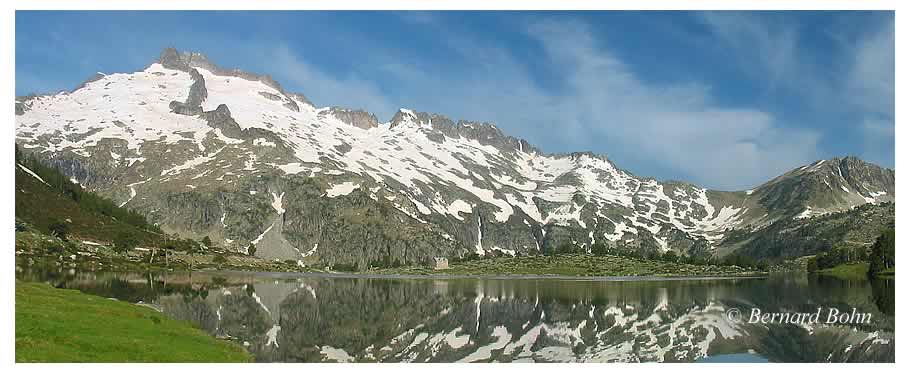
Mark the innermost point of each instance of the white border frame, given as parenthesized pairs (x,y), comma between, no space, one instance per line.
(7,45)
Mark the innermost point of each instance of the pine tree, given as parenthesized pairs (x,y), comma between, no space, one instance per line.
(882,256)
(599,249)
(59,229)
(812,265)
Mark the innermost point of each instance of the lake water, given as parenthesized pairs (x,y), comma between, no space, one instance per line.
(298,318)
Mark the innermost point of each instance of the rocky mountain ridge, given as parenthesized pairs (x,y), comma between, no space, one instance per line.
(204,150)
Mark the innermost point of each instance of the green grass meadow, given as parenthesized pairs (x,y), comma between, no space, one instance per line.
(849,270)
(56,325)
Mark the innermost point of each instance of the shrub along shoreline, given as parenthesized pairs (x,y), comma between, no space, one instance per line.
(578,265)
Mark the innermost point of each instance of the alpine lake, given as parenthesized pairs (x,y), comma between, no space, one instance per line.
(281,317)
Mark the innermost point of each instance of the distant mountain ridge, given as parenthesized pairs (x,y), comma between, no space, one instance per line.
(203,150)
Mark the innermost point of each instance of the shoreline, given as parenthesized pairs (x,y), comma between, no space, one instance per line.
(649,278)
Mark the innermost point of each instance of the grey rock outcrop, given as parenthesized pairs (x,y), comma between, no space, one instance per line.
(484,132)
(193,103)
(356,118)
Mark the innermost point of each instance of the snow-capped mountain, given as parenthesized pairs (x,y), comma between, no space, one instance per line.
(204,150)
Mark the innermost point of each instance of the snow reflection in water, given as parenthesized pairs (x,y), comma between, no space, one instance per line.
(311,319)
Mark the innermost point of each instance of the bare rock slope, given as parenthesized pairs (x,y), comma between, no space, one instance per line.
(204,150)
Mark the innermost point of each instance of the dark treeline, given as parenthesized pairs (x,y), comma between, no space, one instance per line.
(601,249)
(880,257)
(836,257)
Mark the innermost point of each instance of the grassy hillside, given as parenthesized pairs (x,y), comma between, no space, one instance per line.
(849,271)
(46,200)
(49,204)
(56,325)
(57,219)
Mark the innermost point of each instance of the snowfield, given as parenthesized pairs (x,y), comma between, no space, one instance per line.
(424,170)
(134,107)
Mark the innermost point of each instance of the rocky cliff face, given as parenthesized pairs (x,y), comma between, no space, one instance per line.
(204,150)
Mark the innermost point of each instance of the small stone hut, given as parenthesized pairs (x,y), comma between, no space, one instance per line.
(439,263)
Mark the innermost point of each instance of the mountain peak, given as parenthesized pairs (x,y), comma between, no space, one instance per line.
(357,118)
(835,164)
(853,161)
(440,125)
(828,185)
(404,117)
(171,58)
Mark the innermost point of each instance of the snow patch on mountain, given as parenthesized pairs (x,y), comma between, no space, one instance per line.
(133,190)
(278,202)
(458,206)
(192,163)
(262,235)
(342,189)
(132,107)
(30,172)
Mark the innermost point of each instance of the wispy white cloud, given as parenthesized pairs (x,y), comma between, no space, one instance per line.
(603,106)
(350,91)
(594,97)
(855,80)
(673,125)
(870,87)
(870,82)
(768,49)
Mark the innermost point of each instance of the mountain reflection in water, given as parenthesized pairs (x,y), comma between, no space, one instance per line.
(283,318)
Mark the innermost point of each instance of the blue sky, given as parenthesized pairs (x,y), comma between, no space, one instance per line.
(723,99)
